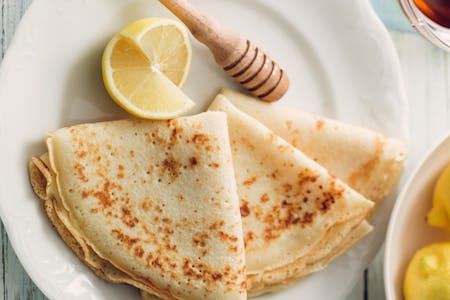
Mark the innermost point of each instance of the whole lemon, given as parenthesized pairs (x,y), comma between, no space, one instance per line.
(428,274)
(439,216)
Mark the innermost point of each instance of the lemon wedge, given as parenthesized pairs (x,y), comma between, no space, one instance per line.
(439,216)
(428,274)
(145,65)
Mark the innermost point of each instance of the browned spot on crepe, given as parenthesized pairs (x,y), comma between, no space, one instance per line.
(365,171)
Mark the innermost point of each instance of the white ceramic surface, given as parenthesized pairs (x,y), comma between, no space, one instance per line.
(408,230)
(339,58)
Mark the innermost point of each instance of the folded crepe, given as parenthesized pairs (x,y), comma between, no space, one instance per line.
(367,161)
(148,203)
(296,216)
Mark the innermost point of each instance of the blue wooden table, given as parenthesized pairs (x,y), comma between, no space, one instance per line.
(427,77)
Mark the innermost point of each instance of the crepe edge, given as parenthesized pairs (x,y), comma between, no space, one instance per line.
(40,175)
(267,285)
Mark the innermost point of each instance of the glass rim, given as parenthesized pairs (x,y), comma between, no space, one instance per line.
(420,25)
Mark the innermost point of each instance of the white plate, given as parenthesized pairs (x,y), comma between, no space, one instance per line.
(408,229)
(339,58)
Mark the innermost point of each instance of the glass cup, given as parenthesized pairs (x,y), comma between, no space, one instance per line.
(431,18)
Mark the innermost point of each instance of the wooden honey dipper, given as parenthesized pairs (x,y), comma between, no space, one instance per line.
(242,60)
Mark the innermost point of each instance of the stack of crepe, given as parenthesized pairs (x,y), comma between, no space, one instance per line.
(217,205)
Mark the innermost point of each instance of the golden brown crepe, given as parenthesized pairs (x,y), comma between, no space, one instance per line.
(294,212)
(149,203)
(367,161)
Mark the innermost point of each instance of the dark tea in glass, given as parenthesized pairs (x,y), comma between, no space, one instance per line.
(431,18)
(437,10)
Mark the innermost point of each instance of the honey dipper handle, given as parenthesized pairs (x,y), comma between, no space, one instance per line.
(226,46)
(243,61)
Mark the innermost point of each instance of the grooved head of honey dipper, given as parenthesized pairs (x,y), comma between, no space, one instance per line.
(278,91)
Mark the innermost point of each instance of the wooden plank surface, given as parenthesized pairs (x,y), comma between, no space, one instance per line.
(14,281)
(426,70)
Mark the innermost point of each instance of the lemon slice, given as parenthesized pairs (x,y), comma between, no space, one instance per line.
(145,65)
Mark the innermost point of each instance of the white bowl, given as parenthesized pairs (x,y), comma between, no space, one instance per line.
(408,230)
